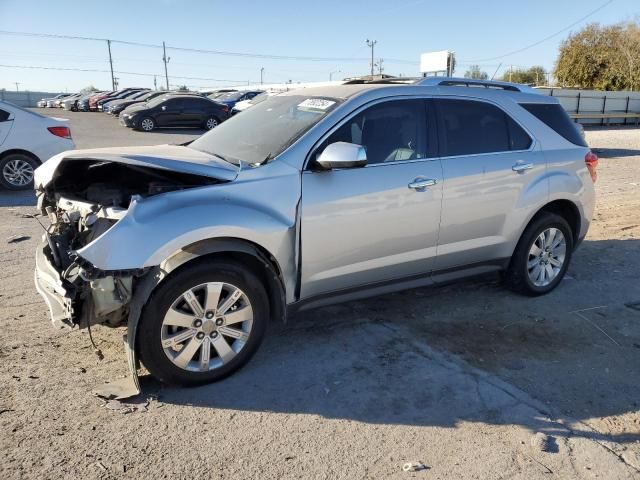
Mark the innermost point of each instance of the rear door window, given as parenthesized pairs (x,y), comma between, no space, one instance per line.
(469,127)
(556,118)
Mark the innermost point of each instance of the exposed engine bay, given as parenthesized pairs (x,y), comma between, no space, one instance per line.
(83,201)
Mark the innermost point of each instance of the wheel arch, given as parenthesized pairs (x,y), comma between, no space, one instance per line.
(247,252)
(20,151)
(567,210)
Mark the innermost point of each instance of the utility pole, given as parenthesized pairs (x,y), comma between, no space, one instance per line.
(155,83)
(113,82)
(451,63)
(17,83)
(371,44)
(380,67)
(261,75)
(165,59)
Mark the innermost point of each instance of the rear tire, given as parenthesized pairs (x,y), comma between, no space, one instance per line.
(16,171)
(232,336)
(211,123)
(541,257)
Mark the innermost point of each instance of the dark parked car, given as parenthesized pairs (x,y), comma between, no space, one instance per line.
(230,99)
(125,93)
(175,111)
(118,106)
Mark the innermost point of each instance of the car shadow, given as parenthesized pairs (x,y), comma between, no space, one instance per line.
(21,198)
(460,353)
(616,152)
(180,131)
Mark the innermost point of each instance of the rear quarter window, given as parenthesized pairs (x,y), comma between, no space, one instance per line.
(4,115)
(556,118)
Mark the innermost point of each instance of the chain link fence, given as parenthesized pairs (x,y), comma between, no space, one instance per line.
(25,99)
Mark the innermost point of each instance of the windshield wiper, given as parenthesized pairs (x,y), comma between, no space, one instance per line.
(222,158)
(266,159)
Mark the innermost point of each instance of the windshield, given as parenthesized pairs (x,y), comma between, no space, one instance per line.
(219,94)
(265,130)
(141,94)
(231,96)
(157,100)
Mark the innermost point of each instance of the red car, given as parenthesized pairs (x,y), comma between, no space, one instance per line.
(93,105)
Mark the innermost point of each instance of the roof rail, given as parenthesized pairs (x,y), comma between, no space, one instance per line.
(466,82)
(383,81)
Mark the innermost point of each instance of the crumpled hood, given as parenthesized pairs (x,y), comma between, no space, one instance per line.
(164,157)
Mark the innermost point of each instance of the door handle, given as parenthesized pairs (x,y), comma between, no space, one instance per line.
(521,167)
(421,183)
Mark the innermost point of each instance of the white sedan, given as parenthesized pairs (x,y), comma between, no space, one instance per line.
(28,139)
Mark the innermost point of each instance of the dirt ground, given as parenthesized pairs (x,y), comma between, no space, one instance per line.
(460,378)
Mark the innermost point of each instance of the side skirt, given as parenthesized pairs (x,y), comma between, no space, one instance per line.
(371,290)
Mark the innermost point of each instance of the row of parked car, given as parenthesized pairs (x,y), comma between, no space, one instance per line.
(145,109)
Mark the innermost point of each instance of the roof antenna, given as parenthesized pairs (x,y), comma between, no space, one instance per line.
(494,73)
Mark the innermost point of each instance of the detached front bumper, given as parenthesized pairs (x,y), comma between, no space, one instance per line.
(49,284)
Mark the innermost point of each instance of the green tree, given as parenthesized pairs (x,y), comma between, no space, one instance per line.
(531,76)
(89,89)
(601,58)
(475,73)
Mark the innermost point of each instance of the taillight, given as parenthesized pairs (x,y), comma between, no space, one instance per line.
(225,108)
(591,159)
(63,132)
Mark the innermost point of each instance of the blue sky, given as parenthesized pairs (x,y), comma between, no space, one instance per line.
(334,29)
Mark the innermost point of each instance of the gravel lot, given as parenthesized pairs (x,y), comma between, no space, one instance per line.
(459,378)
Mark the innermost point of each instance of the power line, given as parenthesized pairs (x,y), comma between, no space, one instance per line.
(545,38)
(95,70)
(200,50)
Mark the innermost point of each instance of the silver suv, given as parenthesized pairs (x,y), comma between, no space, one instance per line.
(311,197)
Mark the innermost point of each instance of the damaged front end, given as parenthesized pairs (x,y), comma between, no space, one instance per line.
(83,200)
(77,293)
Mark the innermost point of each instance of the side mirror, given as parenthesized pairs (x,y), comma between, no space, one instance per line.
(342,155)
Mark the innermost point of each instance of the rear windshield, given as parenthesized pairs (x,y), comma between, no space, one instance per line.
(22,109)
(556,118)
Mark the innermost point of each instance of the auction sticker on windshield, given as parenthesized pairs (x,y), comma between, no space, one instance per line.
(315,104)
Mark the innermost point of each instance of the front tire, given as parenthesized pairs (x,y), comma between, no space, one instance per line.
(16,171)
(147,124)
(541,257)
(203,323)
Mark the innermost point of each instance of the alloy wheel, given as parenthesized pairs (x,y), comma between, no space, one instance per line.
(211,123)
(146,124)
(207,326)
(546,257)
(18,172)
